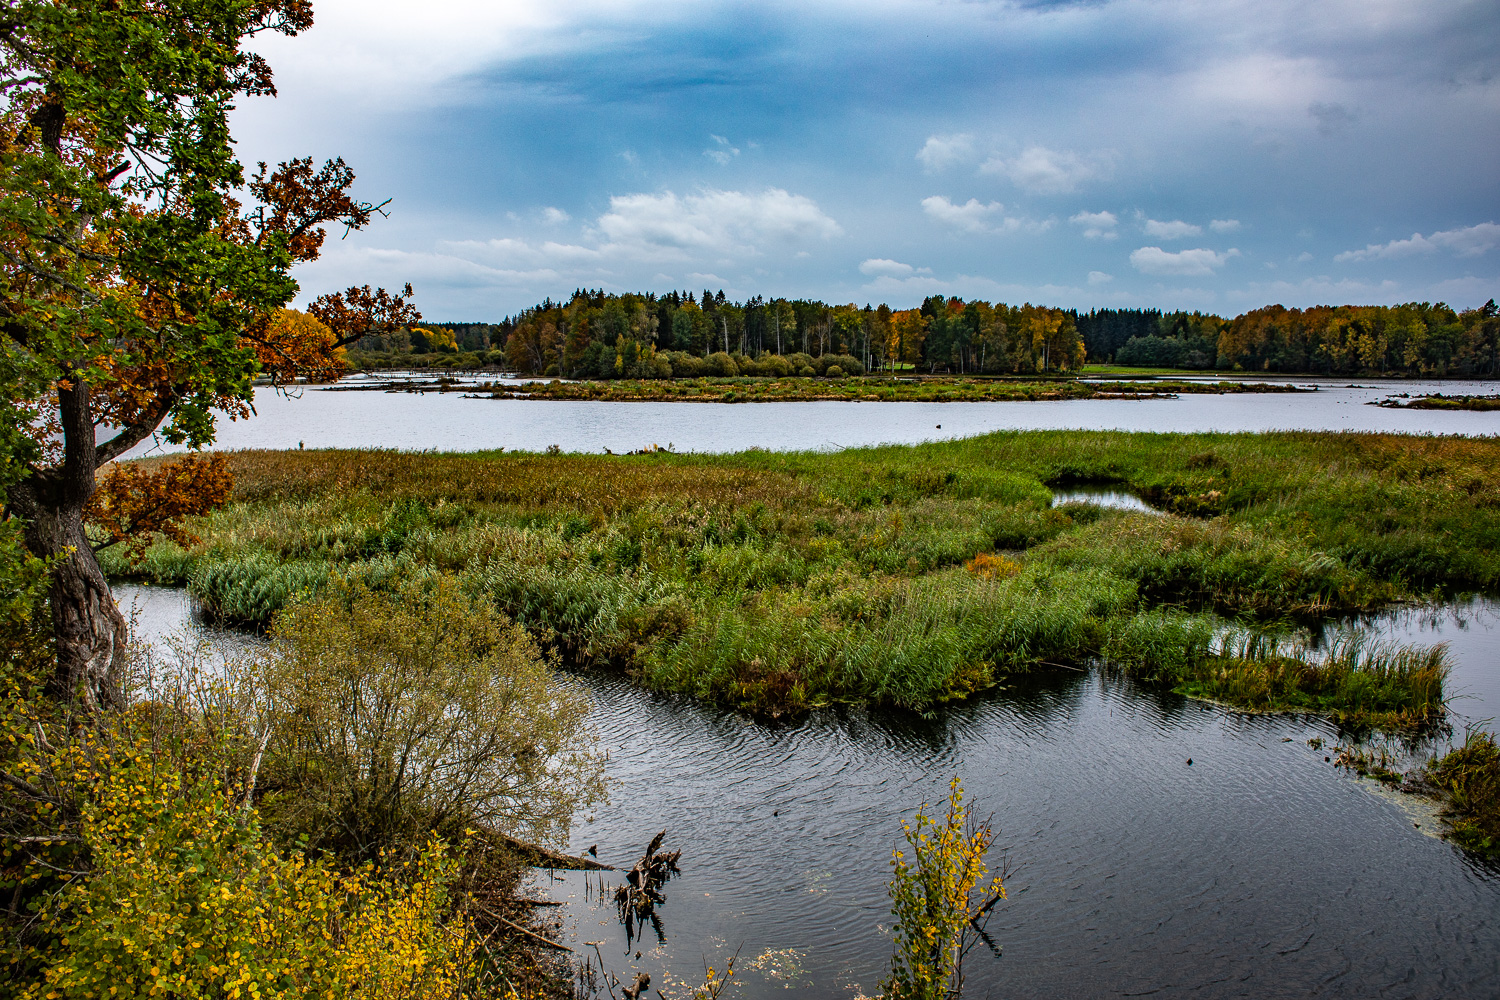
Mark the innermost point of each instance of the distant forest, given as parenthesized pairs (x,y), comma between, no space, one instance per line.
(600,335)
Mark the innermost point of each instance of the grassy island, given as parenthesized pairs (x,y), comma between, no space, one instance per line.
(874,390)
(1439,401)
(900,575)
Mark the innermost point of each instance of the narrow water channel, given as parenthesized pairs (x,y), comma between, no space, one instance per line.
(1258,870)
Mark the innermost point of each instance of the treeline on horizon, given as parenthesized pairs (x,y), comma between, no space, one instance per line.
(603,335)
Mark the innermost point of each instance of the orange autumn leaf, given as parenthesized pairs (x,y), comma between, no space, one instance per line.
(135,505)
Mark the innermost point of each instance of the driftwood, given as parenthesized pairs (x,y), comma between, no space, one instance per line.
(637,899)
(529,933)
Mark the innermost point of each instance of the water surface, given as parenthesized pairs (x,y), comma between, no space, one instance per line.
(1259,870)
(1101,496)
(324,418)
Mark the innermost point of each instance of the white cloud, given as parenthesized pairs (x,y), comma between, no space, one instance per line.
(1100,278)
(1174,230)
(946,150)
(1097,225)
(1224,225)
(733,222)
(721,152)
(1470,241)
(1184,263)
(554,216)
(1040,170)
(1319,289)
(885,267)
(974,216)
(640,233)
(1303,257)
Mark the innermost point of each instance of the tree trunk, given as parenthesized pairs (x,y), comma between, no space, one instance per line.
(88,628)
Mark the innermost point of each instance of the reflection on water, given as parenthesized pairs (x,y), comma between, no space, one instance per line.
(320,418)
(162,617)
(1258,870)
(1101,496)
(1471,628)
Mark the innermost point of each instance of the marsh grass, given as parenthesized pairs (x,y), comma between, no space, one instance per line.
(1468,776)
(775,581)
(1382,684)
(865,389)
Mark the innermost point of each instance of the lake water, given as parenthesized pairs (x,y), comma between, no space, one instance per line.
(1259,870)
(323,418)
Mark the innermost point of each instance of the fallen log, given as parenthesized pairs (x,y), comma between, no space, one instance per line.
(522,930)
(536,856)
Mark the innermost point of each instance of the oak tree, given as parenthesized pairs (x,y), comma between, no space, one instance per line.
(142,274)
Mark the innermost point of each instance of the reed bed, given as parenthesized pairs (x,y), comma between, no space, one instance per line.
(775,581)
(1468,776)
(1356,680)
(928,389)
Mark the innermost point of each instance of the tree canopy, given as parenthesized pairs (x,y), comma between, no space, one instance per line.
(143,275)
(648,335)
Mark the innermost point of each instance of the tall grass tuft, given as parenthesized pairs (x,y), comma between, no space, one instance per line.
(1358,681)
(1469,777)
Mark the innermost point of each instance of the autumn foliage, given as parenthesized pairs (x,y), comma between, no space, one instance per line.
(144,277)
(941,892)
(135,504)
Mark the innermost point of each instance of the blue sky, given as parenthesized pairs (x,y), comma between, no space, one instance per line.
(1168,153)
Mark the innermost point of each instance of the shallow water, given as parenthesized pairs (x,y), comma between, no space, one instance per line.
(1101,496)
(330,418)
(1471,628)
(1257,871)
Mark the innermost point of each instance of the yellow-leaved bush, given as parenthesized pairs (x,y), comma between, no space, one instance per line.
(940,897)
(160,883)
(309,820)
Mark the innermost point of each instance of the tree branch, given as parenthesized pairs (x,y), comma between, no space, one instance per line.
(133,434)
(27,788)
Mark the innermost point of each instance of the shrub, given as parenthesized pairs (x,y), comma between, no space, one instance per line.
(145,872)
(720,365)
(419,709)
(847,365)
(940,900)
(834,371)
(774,365)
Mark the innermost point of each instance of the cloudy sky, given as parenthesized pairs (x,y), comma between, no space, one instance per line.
(1200,154)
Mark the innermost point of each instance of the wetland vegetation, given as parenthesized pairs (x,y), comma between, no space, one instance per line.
(1439,401)
(854,389)
(776,582)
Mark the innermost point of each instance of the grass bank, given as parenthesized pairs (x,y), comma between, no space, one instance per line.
(1468,778)
(776,581)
